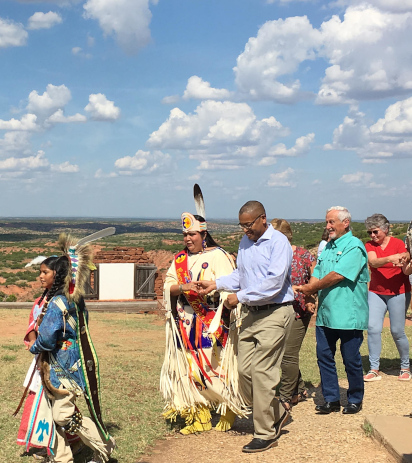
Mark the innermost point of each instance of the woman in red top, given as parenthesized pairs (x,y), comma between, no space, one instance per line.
(389,291)
(292,388)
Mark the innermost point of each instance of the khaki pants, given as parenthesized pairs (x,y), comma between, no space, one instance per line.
(63,409)
(262,341)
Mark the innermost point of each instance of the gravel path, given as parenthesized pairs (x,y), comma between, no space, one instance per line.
(307,438)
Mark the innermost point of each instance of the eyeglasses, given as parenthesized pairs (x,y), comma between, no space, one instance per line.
(375,232)
(248,226)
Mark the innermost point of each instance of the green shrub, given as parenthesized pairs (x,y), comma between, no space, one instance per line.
(11,298)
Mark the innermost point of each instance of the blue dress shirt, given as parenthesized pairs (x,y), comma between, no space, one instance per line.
(263,274)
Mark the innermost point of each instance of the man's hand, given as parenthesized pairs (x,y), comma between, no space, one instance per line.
(205,287)
(231,301)
(307,289)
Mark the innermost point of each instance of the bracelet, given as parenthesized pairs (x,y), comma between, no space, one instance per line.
(180,289)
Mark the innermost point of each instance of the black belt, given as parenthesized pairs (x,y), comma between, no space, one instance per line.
(258,308)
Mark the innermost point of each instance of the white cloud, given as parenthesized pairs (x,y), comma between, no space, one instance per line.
(15,143)
(389,137)
(172,99)
(65,168)
(76,50)
(59,118)
(277,50)
(127,20)
(102,109)
(369,55)
(363,179)
(282,179)
(224,135)
(12,34)
(100,174)
(301,147)
(353,133)
(397,121)
(37,162)
(147,162)
(27,122)
(199,89)
(41,20)
(387,5)
(54,98)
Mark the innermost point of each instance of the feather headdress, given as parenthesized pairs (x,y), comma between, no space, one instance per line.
(80,257)
(199,201)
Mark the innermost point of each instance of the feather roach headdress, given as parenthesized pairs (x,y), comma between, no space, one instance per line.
(80,257)
(189,221)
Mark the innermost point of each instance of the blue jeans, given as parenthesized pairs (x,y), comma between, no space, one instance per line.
(397,306)
(350,343)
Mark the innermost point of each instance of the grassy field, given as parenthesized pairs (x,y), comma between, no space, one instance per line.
(130,348)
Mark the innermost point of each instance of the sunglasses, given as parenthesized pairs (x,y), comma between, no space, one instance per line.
(375,232)
(248,226)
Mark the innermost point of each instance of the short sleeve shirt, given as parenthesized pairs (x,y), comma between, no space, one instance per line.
(344,305)
(388,280)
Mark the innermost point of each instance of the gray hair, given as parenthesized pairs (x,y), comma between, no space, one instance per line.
(377,221)
(343,213)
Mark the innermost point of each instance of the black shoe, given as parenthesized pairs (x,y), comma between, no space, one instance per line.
(351,409)
(328,407)
(281,422)
(259,445)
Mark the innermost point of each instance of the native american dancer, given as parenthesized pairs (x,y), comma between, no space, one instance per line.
(33,374)
(68,362)
(199,372)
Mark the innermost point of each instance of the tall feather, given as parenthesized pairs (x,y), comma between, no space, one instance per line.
(96,236)
(36,261)
(199,201)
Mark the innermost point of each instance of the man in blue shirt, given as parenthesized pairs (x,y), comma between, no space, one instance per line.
(341,276)
(262,284)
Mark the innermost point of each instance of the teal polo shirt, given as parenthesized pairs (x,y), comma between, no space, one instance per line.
(344,306)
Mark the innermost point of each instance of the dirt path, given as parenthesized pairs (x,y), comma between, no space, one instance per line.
(308,438)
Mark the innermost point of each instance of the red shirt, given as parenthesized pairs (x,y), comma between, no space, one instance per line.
(388,280)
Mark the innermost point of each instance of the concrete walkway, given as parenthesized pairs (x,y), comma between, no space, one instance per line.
(394,433)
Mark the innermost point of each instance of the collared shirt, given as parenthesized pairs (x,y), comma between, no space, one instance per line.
(263,270)
(344,305)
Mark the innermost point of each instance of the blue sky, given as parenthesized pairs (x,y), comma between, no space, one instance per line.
(115,108)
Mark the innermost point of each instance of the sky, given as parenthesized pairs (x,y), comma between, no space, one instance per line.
(115,108)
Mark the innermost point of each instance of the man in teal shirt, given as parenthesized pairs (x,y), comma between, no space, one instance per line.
(341,277)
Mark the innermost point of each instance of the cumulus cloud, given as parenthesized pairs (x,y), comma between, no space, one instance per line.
(41,20)
(353,133)
(277,50)
(102,109)
(127,20)
(65,168)
(27,122)
(147,162)
(54,98)
(282,179)
(364,179)
(197,88)
(59,118)
(100,174)
(15,143)
(386,5)
(224,135)
(389,137)
(12,34)
(36,162)
(301,147)
(397,121)
(368,53)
